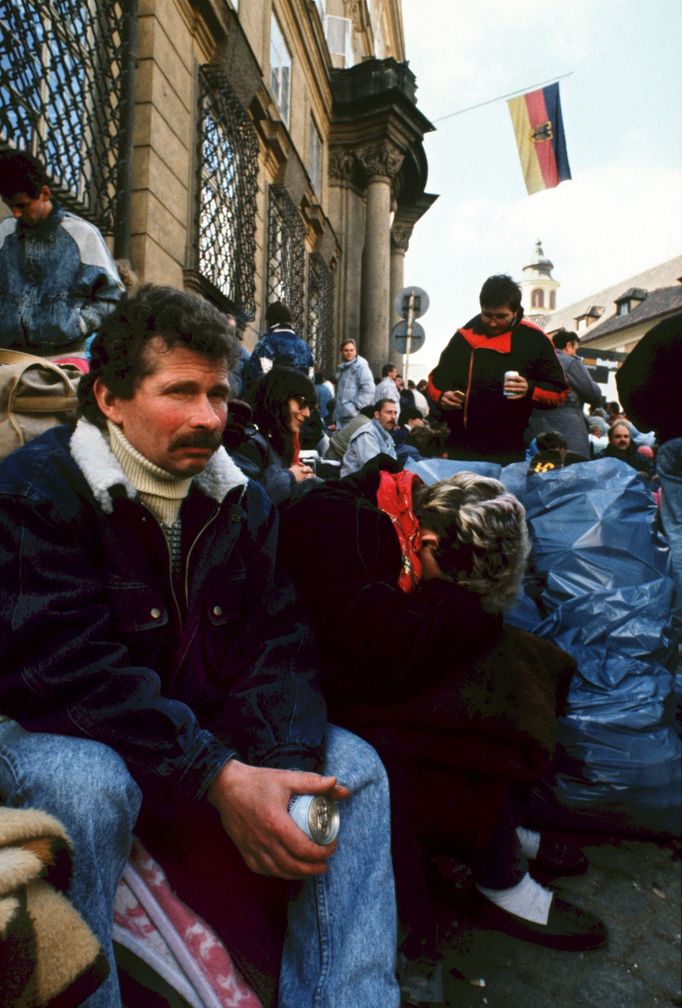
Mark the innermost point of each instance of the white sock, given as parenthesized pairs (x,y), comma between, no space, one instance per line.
(527,899)
(529,840)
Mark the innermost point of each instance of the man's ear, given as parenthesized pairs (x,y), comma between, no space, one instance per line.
(107,401)
(45,193)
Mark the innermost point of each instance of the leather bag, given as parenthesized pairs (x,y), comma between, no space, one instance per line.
(35,394)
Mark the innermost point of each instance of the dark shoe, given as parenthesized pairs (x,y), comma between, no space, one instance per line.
(568,927)
(557,858)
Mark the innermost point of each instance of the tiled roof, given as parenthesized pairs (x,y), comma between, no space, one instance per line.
(664,277)
(658,302)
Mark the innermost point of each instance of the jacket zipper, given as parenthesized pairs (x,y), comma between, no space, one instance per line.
(191,549)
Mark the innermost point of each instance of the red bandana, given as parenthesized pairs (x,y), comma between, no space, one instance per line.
(394,498)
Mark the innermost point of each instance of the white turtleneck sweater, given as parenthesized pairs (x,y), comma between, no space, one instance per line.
(159,490)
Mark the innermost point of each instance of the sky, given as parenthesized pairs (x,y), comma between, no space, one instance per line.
(622,211)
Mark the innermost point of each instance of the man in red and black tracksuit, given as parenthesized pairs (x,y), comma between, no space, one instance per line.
(487,414)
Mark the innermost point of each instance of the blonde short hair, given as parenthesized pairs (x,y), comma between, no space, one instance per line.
(482,532)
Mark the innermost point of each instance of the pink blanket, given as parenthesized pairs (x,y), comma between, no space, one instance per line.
(158,927)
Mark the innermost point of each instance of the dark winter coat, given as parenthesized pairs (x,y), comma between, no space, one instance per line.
(97,638)
(649,380)
(491,426)
(427,676)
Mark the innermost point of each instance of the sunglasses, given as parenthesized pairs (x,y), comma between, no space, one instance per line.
(300,400)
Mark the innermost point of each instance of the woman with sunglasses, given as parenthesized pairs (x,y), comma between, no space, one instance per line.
(270,453)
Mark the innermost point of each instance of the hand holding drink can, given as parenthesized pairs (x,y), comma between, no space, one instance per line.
(317,815)
(505,392)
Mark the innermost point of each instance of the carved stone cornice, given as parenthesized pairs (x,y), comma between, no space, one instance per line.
(343,164)
(380,160)
(400,237)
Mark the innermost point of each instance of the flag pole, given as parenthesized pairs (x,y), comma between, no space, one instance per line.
(511,94)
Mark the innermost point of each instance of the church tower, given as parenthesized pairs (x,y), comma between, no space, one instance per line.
(539,287)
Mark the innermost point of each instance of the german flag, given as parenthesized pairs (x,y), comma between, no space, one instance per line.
(539,130)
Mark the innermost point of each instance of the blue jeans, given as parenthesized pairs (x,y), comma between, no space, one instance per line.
(340,948)
(669,469)
(87,787)
(341,938)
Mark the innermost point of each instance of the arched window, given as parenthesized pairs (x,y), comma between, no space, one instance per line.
(537,298)
(552,300)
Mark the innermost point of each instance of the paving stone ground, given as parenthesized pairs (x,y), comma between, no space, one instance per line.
(635,887)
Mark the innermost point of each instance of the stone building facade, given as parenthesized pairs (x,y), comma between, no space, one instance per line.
(250,150)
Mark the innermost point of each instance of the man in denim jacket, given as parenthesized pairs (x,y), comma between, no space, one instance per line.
(57,277)
(151,643)
(355,386)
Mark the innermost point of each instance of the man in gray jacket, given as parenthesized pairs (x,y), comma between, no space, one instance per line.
(57,277)
(372,439)
(354,384)
(569,420)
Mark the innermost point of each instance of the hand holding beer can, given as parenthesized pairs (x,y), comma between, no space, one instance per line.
(508,374)
(317,815)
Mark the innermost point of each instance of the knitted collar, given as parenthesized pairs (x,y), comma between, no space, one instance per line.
(394,498)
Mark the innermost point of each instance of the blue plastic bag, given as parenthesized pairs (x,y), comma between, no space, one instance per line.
(599,587)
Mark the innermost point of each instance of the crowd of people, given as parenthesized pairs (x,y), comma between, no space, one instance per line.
(222,586)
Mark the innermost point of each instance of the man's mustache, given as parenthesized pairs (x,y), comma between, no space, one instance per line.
(210,440)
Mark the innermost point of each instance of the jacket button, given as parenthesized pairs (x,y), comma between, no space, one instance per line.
(155,613)
(217,610)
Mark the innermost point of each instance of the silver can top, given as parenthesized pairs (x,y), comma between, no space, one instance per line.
(323,819)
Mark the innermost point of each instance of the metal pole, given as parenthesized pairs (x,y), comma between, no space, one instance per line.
(408,334)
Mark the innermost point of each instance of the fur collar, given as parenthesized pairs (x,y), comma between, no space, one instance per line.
(91,452)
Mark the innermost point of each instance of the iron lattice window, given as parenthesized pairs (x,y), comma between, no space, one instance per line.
(62,94)
(320,312)
(286,253)
(228,185)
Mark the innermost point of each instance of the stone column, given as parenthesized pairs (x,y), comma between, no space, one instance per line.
(400,240)
(381,163)
(348,211)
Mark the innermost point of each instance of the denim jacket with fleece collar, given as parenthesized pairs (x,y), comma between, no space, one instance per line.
(97,640)
(57,282)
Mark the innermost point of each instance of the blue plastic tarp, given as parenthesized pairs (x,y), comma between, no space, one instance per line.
(599,586)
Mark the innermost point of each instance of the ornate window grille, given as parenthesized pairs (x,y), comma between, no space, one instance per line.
(63,91)
(286,253)
(320,319)
(227,189)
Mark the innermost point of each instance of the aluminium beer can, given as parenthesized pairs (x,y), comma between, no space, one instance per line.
(508,374)
(317,815)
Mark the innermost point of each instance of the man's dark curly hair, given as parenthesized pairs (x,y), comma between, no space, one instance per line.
(20,173)
(118,352)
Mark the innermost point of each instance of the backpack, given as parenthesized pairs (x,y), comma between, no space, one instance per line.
(35,394)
